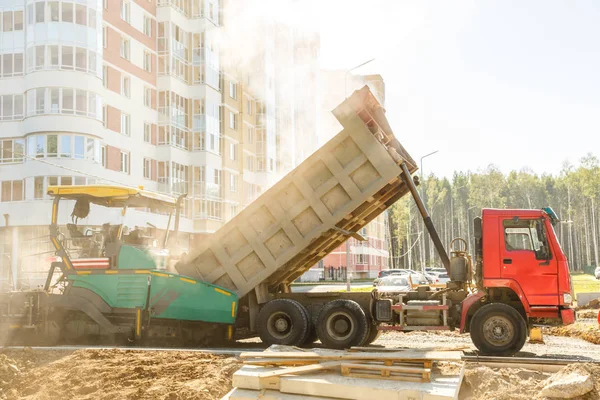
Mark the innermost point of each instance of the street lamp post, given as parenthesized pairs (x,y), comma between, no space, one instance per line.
(423,197)
(350,70)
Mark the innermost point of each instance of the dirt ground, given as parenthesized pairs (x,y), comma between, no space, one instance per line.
(481,383)
(142,374)
(114,374)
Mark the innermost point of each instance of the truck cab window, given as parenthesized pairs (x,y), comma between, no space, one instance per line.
(528,235)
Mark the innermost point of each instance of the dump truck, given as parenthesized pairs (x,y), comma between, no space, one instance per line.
(238,279)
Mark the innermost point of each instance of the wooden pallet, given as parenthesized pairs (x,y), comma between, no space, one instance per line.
(410,372)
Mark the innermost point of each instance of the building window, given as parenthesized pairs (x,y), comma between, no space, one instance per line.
(125,124)
(125,48)
(12,150)
(11,107)
(148,97)
(104,36)
(147,168)
(250,135)
(249,107)
(232,120)
(217,176)
(125,11)
(47,57)
(147,26)
(232,151)
(147,132)
(147,61)
(105,75)
(104,115)
(233,183)
(39,12)
(38,187)
(233,90)
(103,156)
(105,4)
(126,86)
(124,162)
(12,191)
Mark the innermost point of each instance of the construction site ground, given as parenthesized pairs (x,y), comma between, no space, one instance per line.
(95,373)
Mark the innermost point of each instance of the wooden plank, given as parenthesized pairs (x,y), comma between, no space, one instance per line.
(301,370)
(269,378)
(378,367)
(280,362)
(407,378)
(402,355)
(376,349)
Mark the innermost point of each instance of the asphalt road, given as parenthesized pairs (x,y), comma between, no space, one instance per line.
(330,287)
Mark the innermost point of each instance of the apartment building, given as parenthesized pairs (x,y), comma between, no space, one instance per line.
(366,257)
(131,92)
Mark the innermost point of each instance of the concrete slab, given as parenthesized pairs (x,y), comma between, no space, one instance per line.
(584,298)
(245,394)
(334,385)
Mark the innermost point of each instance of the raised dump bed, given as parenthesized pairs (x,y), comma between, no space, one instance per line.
(336,191)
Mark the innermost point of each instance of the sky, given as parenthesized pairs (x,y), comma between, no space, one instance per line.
(510,83)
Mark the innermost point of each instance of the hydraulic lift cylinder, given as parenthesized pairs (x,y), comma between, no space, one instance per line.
(426,218)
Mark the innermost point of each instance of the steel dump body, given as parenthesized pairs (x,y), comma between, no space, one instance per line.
(339,189)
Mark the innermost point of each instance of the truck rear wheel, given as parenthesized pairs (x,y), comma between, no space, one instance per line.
(283,321)
(372,336)
(498,330)
(342,324)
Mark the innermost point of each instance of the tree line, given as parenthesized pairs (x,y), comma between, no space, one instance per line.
(574,194)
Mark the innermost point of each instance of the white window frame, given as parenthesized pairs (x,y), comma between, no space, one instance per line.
(148,97)
(126,86)
(232,120)
(125,48)
(125,124)
(147,25)
(233,183)
(147,132)
(250,135)
(147,61)
(147,168)
(105,76)
(232,151)
(103,156)
(233,90)
(124,162)
(104,36)
(125,10)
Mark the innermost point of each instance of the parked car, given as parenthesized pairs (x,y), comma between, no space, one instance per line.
(387,272)
(393,283)
(442,277)
(597,272)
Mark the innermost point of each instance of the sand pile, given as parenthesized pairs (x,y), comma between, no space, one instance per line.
(481,382)
(582,330)
(122,374)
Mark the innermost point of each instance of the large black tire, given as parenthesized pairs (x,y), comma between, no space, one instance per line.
(342,324)
(372,336)
(283,321)
(498,330)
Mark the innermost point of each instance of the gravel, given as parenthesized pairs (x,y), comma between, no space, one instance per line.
(553,346)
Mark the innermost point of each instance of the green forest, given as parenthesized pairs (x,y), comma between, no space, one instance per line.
(574,195)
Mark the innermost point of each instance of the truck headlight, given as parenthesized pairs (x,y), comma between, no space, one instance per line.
(567,299)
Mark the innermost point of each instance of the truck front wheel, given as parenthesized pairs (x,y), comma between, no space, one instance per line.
(342,324)
(498,330)
(283,321)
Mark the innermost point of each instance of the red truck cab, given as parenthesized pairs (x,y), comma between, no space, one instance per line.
(521,252)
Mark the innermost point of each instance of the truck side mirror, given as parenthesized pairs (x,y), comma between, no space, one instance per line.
(477,228)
